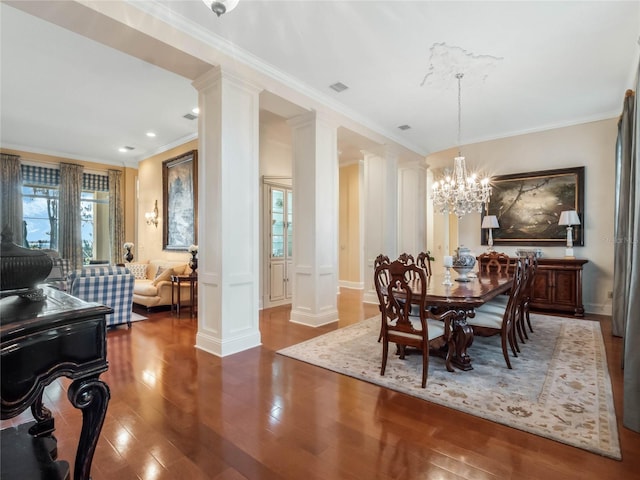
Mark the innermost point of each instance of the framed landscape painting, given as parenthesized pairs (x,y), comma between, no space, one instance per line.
(179,198)
(528,207)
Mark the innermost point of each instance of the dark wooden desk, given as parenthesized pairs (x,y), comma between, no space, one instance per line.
(462,298)
(192,280)
(41,341)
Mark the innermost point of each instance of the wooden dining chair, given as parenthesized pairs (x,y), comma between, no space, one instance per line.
(487,323)
(494,262)
(498,304)
(399,326)
(381,282)
(423,260)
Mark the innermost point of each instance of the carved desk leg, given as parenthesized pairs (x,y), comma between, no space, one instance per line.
(462,339)
(91,396)
(44,420)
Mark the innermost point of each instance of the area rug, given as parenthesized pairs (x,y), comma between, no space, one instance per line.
(136,317)
(559,387)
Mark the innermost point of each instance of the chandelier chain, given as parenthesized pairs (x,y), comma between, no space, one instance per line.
(459,77)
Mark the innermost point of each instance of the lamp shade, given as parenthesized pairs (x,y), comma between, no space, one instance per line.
(490,221)
(569,217)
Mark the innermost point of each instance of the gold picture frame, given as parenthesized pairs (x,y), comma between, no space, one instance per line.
(528,207)
(180,201)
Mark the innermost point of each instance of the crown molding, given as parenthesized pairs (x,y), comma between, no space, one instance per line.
(233,55)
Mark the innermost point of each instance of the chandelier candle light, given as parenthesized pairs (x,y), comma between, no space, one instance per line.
(461,193)
(569,218)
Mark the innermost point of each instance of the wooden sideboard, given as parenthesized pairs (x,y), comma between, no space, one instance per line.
(557,286)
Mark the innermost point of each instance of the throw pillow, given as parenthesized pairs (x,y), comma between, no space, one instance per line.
(163,273)
(139,270)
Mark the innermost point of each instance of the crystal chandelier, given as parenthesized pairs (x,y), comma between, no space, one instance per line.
(460,193)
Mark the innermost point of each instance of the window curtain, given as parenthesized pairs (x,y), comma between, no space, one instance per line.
(626,274)
(116,216)
(69,228)
(11,197)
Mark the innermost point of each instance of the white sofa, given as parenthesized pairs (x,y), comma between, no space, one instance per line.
(152,286)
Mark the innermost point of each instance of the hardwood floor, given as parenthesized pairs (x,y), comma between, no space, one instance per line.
(179,413)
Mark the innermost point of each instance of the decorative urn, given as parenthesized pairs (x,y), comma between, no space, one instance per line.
(22,269)
(463,263)
(193,262)
(128,256)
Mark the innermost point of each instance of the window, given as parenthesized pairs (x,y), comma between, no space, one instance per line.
(40,212)
(40,216)
(95,225)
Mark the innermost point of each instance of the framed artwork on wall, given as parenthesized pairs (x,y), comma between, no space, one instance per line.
(528,207)
(180,201)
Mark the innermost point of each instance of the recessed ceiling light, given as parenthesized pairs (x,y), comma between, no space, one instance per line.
(151,134)
(125,149)
(404,127)
(338,87)
(195,110)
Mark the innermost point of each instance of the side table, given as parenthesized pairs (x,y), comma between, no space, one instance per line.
(176,281)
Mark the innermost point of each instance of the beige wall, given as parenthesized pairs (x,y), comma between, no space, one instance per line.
(149,239)
(349,231)
(591,145)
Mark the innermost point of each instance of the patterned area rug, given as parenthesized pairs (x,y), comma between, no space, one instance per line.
(559,387)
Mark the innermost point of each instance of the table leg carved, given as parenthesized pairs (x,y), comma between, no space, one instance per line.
(462,339)
(45,424)
(91,396)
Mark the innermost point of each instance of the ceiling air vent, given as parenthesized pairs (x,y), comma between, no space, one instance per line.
(338,87)
(190,116)
(404,127)
(129,148)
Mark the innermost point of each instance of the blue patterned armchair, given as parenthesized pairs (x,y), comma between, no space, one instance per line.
(108,285)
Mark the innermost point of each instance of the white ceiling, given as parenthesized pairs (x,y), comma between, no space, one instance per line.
(528,66)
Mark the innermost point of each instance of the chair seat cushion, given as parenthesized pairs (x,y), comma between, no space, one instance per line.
(486,319)
(435,327)
(491,308)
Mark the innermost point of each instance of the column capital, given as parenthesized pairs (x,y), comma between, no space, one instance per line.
(313,116)
(216,74)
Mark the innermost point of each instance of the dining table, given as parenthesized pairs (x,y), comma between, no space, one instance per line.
(463,298)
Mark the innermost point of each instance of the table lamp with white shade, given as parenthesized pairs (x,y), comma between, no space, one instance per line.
(489,222)
(569,218)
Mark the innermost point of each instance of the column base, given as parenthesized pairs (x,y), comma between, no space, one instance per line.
(313,320)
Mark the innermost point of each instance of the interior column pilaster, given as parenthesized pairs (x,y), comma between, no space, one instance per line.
(315,220)
(412,211)
(228,211)
(380,213)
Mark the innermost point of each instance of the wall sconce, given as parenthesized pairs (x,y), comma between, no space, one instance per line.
(489,222)
(152,217)
(569,218)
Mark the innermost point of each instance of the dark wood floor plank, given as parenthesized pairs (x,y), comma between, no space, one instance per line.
(179,413)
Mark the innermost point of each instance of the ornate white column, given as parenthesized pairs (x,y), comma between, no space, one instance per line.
(412,211)
(315,220)
(380,213)
(228,213)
